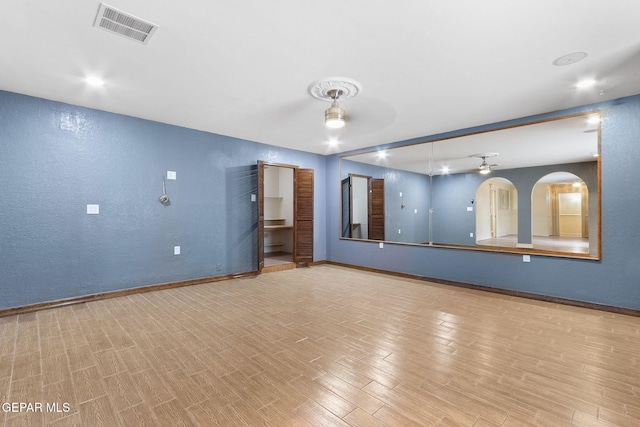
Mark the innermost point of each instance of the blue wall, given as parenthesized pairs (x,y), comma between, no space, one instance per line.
(613,281)
(57,158)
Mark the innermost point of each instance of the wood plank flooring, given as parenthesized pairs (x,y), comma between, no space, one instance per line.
(321,346)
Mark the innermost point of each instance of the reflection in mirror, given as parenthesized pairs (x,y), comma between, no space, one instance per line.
(497,213)
(561,218)
(510,189)
(363,207)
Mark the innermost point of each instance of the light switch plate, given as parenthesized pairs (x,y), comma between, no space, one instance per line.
(93,209)
(381,245)
(469,208)
(176,250)
(526,258)
(171,175)
(253,197)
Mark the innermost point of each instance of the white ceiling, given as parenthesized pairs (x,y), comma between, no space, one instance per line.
(242,68)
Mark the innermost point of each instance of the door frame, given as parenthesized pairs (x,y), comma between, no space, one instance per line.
(261,166)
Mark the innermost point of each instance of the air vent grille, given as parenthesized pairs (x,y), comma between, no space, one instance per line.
(126,25)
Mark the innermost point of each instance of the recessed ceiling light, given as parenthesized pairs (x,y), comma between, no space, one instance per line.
(593,120)
(445,169)
(333,142)
(94,81)
(570,59)
(382,154)
(585,83)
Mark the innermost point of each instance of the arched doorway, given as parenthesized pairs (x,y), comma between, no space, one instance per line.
(497,213)
(560,213)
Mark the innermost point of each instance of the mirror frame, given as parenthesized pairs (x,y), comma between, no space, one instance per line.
(498,249)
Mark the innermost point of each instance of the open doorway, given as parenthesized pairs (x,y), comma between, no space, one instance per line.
(560,214)
(285,216)
(497,213)
(278,215)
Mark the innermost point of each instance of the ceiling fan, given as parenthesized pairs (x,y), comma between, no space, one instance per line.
(485,167)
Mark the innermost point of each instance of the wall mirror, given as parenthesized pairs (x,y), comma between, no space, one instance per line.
(531,188)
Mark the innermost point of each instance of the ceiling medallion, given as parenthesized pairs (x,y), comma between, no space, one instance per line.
(325,89)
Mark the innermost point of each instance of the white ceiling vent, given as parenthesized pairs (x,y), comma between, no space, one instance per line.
(116,21)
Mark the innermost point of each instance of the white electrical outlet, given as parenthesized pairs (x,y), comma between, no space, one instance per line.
(176,250)
(93,209)
(526,258)
(381,245)
(253,197)
(469,208)
(171,175)
(399,231)
(415,211)
(470,234)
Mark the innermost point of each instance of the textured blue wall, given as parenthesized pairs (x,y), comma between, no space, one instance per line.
(613,281)
(57,158)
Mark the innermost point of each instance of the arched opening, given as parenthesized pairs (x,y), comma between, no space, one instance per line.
(497,213)
(560,213)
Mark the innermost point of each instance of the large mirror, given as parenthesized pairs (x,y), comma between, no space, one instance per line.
(528,189)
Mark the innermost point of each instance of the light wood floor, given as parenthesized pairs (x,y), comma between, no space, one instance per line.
(322,346)
(572,245)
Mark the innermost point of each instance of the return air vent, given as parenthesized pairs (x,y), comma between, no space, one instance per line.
(116,21)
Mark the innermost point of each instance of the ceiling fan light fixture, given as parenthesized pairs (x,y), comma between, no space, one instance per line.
(484,167)
(335,116)
(330,89)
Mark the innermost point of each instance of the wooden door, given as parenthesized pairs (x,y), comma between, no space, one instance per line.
(260,215)
(376,209)
(346,207)
(302,215)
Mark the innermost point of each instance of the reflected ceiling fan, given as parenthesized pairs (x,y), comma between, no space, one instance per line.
(485,167)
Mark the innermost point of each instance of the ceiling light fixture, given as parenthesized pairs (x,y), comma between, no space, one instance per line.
(585,83)
(593,120)
(485,167)
(331,89)
(335,116)
(94,81)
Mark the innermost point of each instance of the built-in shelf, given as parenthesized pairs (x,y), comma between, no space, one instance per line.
(278,209)
(276,224)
